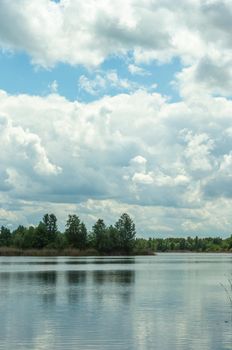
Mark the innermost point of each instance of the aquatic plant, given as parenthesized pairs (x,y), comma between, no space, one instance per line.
(228,289)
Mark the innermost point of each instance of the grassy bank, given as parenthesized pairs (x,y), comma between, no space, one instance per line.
(10,251)
(7,251)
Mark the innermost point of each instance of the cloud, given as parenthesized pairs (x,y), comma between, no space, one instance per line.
(23,147)
(208,76)
(167,163)
(78,32)
(141,178)
(88,33)
(197,152)
(133,150)
(53,87)
(24,161)
(104,82)
(133,69)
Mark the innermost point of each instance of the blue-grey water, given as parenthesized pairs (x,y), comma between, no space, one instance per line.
(164,302)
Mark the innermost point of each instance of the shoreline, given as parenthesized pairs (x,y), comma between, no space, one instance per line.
(10,251)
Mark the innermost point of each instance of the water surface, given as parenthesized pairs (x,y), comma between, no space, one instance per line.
(164,302)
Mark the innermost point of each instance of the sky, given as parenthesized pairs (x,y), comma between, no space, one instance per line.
(110,107)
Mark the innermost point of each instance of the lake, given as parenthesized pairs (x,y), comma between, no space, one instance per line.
(164,302)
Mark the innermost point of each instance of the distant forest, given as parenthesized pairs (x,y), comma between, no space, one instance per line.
(117,239)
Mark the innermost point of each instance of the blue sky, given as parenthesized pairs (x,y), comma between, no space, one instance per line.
(107,107)
(18,75)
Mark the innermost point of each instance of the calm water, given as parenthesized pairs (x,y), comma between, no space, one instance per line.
(165,302)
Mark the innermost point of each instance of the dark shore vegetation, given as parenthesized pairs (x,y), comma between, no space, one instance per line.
(189,244)
(119,239)
(46,240)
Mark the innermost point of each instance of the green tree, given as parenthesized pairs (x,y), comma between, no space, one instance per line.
(230,243)
(182,244)
(99,235)
(40,236)
(113,241)
(5,237)
(161,245)
(19,236)
(50,221)
(76,232)
(83,237)
(127,232)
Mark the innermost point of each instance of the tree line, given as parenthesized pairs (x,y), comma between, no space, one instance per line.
(189,244)
(119,238)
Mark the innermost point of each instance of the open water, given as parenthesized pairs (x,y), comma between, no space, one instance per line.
(163,302)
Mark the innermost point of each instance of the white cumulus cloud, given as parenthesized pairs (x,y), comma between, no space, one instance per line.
(137,150)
